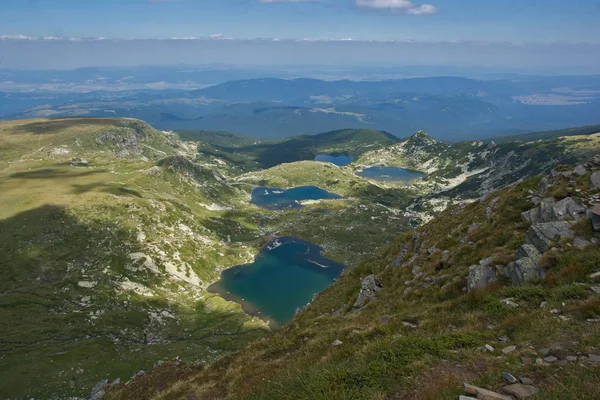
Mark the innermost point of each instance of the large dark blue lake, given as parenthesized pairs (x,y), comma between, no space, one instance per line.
(276,199)
(390,174)
(337,160)
(283,277)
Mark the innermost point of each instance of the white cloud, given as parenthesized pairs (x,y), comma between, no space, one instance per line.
(398,6)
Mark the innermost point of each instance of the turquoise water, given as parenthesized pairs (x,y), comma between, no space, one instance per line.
(283,277)
(276,199)
(337,160)
(390,174)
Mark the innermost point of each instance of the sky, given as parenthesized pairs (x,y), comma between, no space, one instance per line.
(568,26)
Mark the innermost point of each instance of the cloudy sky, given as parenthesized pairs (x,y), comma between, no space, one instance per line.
(452,32)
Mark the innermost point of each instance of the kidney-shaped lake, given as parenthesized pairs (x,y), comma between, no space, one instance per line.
(283,277)
(275,199)
(390,174)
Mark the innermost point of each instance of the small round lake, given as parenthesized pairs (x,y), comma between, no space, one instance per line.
(277,199)
(390,174)
(283,277)
(337,160)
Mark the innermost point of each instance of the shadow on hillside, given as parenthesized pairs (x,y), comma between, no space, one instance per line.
(52,173)
(60,124)
(105,188)
(44,253)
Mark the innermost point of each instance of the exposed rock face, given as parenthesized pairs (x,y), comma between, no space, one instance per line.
(550,211)
(126,140)
(480,276)
(596,217)
(543,235)
(368,291)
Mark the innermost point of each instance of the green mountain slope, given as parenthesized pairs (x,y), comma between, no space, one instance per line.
(480,290)
(110,235)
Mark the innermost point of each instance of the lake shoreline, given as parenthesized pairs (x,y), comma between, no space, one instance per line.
(311,256)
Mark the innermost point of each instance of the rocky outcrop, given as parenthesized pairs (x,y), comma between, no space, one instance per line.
(544,235)
(368,291)
(523,270)
(551,210)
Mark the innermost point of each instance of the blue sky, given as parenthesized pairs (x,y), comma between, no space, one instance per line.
(427,20)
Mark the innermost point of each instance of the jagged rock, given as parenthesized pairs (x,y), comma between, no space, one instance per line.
(543,235)
(528,250)
(480,276)
(98,391)
(536,200)
(520,391)
(489,348)
(567,208)
(368,291)
(523,270)
(595,180)
(579,170)
(484,393)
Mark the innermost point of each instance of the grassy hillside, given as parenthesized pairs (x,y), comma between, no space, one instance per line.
(426,316)
(109,236)
(107,242)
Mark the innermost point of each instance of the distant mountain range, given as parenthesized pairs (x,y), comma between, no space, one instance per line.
(449,108)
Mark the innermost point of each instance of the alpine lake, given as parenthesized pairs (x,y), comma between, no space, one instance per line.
(283,278)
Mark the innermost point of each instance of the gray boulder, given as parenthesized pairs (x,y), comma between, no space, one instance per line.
(581,243)
(543,235)
(480,276)
(528,251)
(523,270)
(368,291)
(595,180)
(579,170)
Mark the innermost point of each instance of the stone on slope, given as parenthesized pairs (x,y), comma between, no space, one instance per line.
(596,217)
(543,235)
(551,210)
(520,391)
(523,270)
(579,170)
(509,377)
(480,276)
(337,343)
(368,291)
(98,390)
(509,349)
